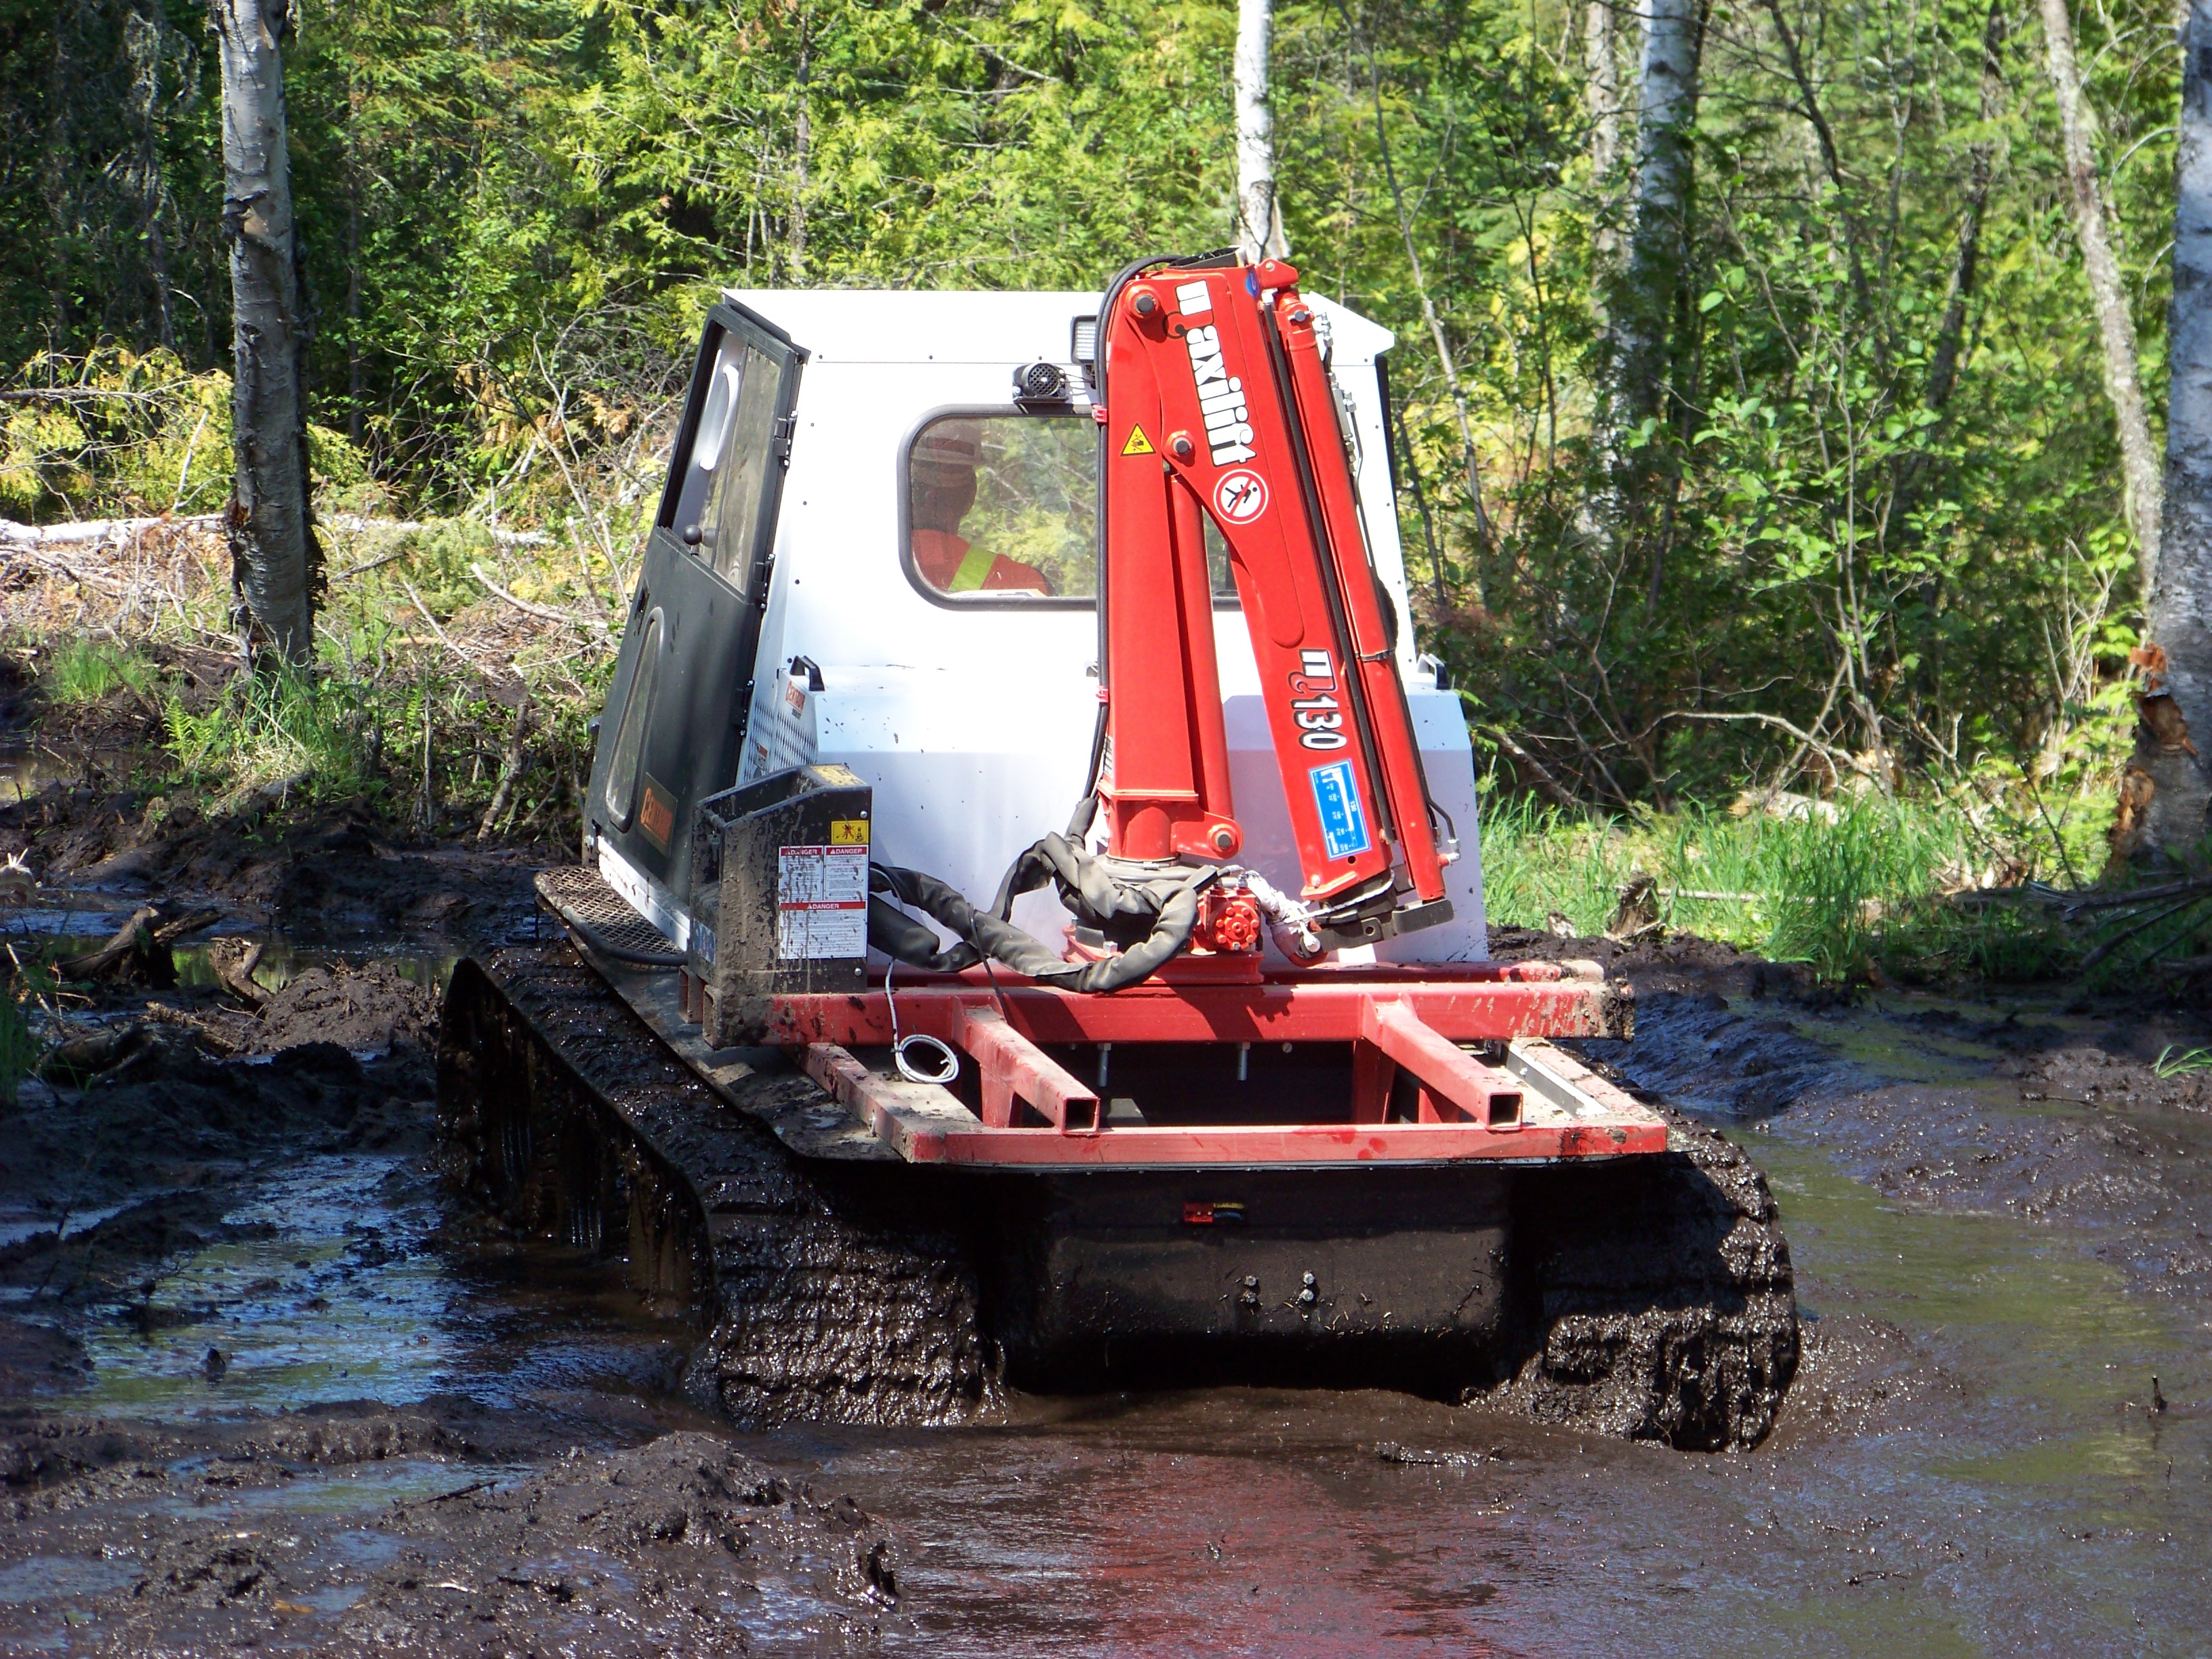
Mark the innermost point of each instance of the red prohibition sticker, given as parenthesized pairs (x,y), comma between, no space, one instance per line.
(1240,495)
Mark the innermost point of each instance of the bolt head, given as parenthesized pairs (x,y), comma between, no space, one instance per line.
(1184,449)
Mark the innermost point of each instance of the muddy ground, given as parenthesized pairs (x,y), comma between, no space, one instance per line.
(267,1385)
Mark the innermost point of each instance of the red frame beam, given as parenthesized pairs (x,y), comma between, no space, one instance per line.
(1276,1010)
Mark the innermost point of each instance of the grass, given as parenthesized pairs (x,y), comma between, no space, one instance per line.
(2171,1063)
(351,732)
(90,671)
(1850,889)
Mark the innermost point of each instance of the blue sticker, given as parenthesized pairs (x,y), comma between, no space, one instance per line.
(1343,820)
(1252,282)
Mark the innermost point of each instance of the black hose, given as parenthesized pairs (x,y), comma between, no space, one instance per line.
(1155,910)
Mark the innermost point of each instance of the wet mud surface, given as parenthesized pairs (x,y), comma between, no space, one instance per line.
(265,1382)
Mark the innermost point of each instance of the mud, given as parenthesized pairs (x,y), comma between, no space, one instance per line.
(362,1531)
(269,1383)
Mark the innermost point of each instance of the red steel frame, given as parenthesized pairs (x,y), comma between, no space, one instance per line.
(1413,1019)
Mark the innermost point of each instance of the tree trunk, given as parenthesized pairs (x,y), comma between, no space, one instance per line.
(802,137)
(1602,98)
(1259,215)
(54,176)
(273,553)
(2116,326)
(353,281)
(1643,305)
(1981,156)
(146,40)
(2164,796)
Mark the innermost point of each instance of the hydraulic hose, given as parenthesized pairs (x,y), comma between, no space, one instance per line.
(1162,901)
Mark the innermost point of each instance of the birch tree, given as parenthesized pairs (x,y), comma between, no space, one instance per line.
(1259,215)
(1642,302)
(2116,327)
(273,554)
(2167,793)
(1602,98)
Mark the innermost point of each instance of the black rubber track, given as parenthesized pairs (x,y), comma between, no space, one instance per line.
(827,1292)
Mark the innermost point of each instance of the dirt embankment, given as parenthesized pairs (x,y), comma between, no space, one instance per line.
(326,873)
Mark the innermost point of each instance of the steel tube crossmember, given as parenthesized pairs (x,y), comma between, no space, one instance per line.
(1015,1069)
(1467,1110)
(1322,1008)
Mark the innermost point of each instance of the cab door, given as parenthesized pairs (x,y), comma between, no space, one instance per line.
(675,718)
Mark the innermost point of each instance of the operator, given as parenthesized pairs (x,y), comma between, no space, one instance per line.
(940,489)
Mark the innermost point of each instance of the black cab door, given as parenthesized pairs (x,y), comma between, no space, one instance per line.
(675,717)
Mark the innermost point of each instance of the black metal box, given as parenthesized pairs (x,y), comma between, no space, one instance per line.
(778,894)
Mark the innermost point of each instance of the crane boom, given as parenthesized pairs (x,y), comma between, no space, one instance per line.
(1219,406)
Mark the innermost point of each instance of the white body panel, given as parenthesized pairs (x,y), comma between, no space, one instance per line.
(973,724)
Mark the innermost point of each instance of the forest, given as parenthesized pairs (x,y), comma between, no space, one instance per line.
(1777,380)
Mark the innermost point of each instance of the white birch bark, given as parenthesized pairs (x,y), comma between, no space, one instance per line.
(271,544)
(2116,328)
(2176,702)
(1601,99)
(1643,302)
(1259,217)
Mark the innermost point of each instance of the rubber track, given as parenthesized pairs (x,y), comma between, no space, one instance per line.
(827,1294)
(1662,1305)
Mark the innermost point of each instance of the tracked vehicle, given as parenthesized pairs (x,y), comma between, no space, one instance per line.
(906,1091)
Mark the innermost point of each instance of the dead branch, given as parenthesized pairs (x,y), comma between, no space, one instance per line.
(1546,785)
(510,768)
(129,940)
(236,974)
(570,618)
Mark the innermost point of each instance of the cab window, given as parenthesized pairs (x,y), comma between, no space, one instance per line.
(1005,506)
(718,509)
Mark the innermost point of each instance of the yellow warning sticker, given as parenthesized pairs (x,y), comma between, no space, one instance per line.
(848,832)
(1138,444)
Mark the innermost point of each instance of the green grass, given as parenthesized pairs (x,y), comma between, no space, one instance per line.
(1854,886)
(89,671)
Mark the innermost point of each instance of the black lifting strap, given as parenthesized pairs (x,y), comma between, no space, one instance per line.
(1098,895)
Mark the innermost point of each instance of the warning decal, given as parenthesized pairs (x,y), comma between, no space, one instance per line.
(821,902)
(1138,444)
(1241,496)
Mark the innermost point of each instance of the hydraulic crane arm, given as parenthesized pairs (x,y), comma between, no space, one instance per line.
(1217,405)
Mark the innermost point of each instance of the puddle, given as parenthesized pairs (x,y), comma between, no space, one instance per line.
(49,1578)
(343,1290)
(28,768)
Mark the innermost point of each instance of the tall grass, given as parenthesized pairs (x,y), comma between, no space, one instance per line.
(1844,888)
(86,670)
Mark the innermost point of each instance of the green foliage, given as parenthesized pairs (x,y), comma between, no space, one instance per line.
(88,671)
(1880,504)
(1845,887)
(19,1045)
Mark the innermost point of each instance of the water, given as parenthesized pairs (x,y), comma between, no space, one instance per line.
(2011,1492)
(342,1288)
(1968,1465)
